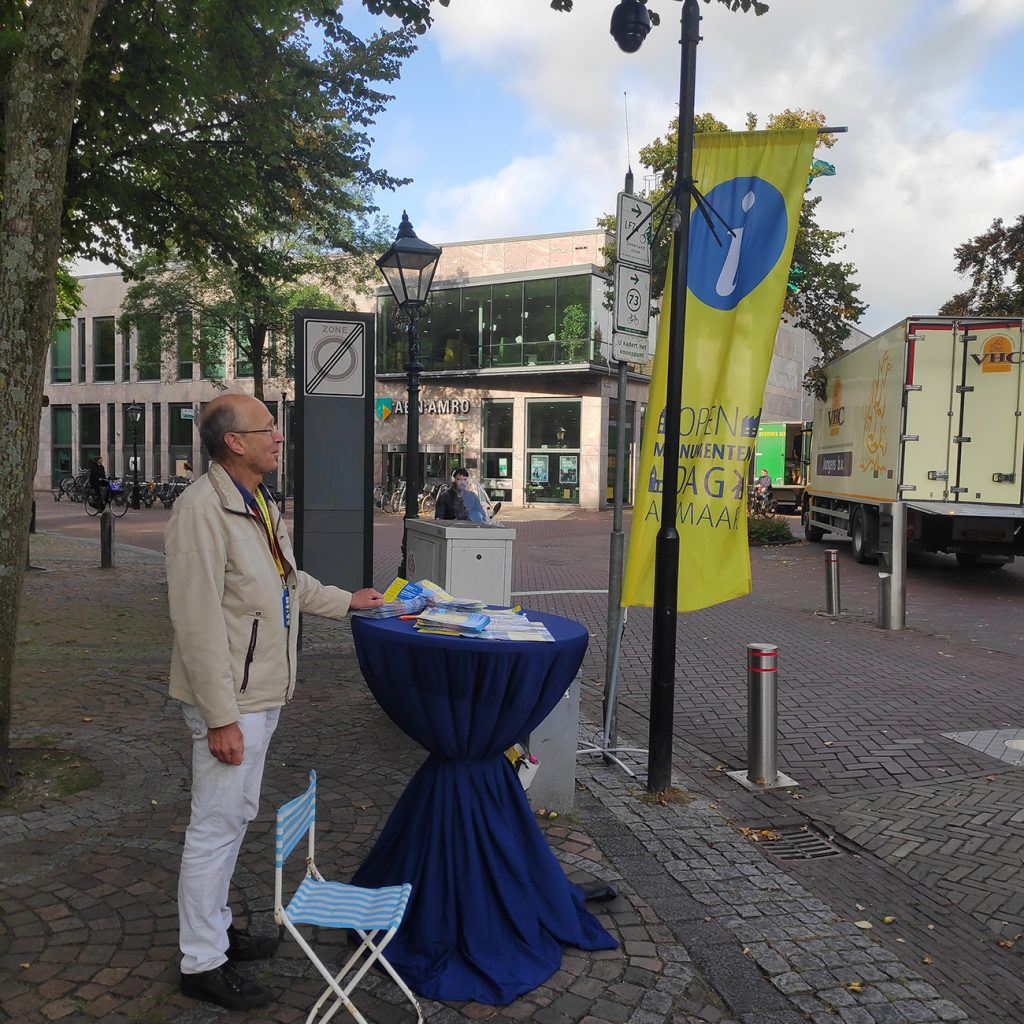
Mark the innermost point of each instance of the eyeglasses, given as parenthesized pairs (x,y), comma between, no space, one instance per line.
(260,430)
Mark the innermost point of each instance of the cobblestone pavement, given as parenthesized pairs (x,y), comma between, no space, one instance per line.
(87,915)
(862,715)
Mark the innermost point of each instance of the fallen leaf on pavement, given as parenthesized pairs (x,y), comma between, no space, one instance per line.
(888,919)
(858,906)
(86,719)
(1006,943)
(901,940)
(24,967)
(864,924)
(927,960)
(855,986)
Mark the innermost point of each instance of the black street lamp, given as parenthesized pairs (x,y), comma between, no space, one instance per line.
(560,436)
(630,25)
(135,415)
(408,267)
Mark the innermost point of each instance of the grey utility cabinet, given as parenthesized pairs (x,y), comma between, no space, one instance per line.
(471,560)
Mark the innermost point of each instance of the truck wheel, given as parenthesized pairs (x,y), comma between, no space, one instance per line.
(813,533)
(864,534)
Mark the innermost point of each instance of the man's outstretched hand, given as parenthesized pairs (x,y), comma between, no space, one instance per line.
(366,598)
(226,743)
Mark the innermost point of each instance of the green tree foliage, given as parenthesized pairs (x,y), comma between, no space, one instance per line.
(994,263)
(203,305)
(822,295)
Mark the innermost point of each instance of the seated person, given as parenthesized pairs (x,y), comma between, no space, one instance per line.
(458,502)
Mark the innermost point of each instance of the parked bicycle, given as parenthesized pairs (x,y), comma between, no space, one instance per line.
(72,487)
(169,491)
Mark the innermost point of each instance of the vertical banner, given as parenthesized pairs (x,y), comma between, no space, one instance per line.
(333,471)
(736,286)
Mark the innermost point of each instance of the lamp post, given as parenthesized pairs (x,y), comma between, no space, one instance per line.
(135,412)
(560,436)
(630,25)
(408,267)
(462,438)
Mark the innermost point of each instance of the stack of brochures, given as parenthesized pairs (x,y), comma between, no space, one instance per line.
(452,622)
(435,596)
(507,625)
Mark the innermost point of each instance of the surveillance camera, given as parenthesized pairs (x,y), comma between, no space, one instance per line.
(630,25)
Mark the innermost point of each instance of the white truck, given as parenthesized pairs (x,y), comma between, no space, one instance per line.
(927,413)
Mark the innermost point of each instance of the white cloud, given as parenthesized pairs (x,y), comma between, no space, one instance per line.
(926,164)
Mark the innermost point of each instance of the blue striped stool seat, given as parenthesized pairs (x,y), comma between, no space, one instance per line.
(337,905)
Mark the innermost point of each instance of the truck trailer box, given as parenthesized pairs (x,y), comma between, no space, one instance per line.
(928,412)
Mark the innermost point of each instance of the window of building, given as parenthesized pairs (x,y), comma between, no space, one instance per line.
(180,430)
(573,319)
(506,348)
(553,451)
(539,326)
(103,346)
(475,324)
(440,337)
(133,441)
(613,428)
(518,323)
(126,356)
(155,420)
(89,434)
(60,363)
(81,350)
(60,443)
(212,354)
(391,344)
(149,354)
(243,362)
(185,347)
(496,453)
(111,437)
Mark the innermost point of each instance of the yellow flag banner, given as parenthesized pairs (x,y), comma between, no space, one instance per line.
(736,286)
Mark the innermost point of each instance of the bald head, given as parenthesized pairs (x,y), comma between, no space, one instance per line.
(225,414)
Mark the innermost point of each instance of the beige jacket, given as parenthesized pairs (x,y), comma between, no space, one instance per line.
(232,653)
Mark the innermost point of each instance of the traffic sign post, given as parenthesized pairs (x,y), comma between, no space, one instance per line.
(632,299)
(633,231)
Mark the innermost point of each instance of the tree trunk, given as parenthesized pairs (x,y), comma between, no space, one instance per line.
(39,108)
(257,348)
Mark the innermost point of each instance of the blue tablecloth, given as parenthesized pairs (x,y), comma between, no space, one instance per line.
(491,908)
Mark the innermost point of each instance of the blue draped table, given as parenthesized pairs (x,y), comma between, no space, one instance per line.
(491,907)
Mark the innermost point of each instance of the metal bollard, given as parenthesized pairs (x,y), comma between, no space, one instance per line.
(762,770)
(32,518)
(833,605)
(106,540)
(884,600)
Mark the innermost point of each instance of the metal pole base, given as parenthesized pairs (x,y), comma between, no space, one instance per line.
(781,782)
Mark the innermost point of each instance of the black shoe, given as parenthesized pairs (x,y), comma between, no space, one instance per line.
(226,987)
(243,946)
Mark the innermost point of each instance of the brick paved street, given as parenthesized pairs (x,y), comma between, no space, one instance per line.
(930,830)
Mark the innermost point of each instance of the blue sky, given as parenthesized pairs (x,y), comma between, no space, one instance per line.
(510,120)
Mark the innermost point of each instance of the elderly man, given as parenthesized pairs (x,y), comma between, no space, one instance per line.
(235,597)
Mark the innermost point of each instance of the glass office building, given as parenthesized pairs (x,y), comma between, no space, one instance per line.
(517,383)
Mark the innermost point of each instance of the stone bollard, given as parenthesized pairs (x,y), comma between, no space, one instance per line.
(106,539)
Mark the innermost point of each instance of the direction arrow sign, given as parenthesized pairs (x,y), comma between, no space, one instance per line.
(633,243)
(632,300)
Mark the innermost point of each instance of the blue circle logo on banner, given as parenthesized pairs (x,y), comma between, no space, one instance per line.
(724,271)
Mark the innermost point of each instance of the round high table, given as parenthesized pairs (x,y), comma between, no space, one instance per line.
(491,907)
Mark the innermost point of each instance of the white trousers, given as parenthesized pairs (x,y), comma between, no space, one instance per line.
(225,798)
